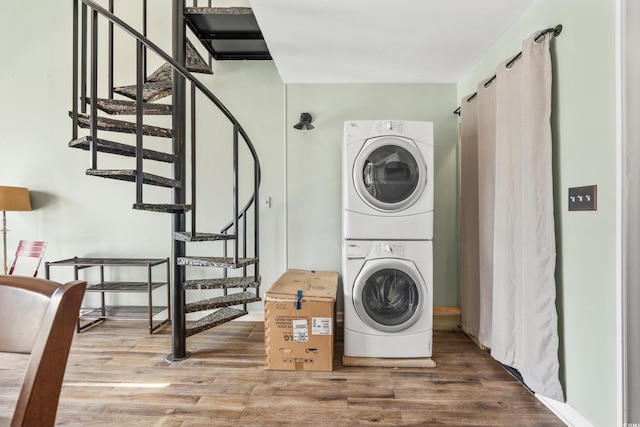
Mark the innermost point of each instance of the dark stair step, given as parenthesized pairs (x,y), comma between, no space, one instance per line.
(216,318)
(221,301)
(123,107)
(221,283)
(159,83)
(164,208)
(162,74)
(202,237)
(113,125)
(130,175)
(220,262)
(228,33)
(151,91)
(112,147)
(195,64)
(194,61)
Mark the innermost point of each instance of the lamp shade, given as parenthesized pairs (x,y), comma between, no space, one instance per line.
(14,199)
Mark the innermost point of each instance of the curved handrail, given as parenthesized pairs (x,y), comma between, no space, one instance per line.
(186,74)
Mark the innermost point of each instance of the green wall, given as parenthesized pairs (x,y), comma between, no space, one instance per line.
(314,169)
(80,215)
(584,122)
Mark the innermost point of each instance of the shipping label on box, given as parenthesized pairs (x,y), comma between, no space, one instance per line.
(299,331)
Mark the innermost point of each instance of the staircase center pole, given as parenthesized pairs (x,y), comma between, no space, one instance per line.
(178,325)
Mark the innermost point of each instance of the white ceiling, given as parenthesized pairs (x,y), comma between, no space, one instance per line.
(381,41)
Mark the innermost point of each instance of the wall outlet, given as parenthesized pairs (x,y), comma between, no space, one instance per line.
(583,198)
(265,202)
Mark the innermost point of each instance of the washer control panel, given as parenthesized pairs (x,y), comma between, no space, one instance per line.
(381,249)
(385,126)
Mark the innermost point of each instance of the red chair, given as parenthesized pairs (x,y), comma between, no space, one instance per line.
(30,249)
(38,317)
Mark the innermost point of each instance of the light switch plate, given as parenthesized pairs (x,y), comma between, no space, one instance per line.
(583,198)
(265,202)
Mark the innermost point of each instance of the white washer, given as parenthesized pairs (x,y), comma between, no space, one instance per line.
(388,299)
(388,180)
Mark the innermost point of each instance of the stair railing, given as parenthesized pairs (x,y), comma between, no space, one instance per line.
(143,45)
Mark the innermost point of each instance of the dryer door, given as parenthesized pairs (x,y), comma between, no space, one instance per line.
(390,174)
(389,294)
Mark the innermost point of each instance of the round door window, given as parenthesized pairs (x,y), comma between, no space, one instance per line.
(389,298)
(390,174)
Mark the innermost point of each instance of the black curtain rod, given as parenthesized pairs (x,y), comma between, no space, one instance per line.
(556,32)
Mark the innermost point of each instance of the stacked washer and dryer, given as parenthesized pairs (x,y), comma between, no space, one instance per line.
(387,239)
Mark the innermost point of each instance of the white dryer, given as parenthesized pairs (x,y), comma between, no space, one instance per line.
(388,299)
(388,180)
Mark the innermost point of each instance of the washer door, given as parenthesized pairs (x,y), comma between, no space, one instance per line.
(390,174)
(389,294)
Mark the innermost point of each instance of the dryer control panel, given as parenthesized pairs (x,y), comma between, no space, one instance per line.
(389,248)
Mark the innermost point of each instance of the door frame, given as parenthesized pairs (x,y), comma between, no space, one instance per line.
(628,48)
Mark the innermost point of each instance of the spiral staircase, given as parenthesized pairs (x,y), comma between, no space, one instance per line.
(226,34)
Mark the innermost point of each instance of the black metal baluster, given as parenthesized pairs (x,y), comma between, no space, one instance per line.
(256,224)
(83,61)
(244,242)
(74,94)
(110,77)
(193,159)
(235,192)
(144,33)
(139,122)
(94,89)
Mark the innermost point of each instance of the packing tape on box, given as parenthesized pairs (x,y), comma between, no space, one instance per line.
(298,301)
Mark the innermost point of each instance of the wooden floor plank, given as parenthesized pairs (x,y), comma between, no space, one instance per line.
(117,375)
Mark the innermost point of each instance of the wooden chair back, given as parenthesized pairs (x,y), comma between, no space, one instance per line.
(31,249)
(38,317)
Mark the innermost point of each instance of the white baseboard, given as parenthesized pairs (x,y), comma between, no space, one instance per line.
(565,412)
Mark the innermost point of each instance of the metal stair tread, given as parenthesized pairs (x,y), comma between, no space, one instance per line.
(186,236)
(114,125)
(221,301)
(216,318)
(219,10)
(221,283)
(194,63)
(151,91)
(130,175)
(126,107)
(162,207)
(111,147)
(220,262)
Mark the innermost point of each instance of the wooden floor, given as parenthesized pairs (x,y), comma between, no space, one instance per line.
(117,376)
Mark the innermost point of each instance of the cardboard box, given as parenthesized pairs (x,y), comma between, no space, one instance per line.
(300,327)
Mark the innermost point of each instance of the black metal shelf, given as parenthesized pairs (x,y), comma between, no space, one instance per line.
(120,312)
(124,286)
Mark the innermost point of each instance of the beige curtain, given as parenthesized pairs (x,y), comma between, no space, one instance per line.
(516,250)
(469,292)
(486,100)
